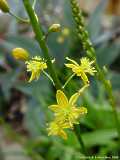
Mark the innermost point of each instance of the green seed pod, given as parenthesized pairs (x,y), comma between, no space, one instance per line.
(4,6)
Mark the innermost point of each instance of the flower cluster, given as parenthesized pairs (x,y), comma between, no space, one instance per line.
(66,113)
(82,69)
(35,65)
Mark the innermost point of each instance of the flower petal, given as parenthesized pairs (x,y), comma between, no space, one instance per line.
(70,65)
(56,129)
(32,77)
(73,98)
(84,78)
(61,98)
(83,110)
(74,62)
(63,134)
(54,108)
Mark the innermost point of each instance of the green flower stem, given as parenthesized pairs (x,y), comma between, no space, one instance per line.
(68,80)
(78,135)
(39,37)
(19,18)
(109,90)
(90,51)
(83,88)
(77,127)
(34,3)
(49,77)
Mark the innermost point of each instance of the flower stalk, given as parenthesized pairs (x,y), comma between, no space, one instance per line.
(77,132)
(68,80)
(39,37)
(49,77)
(19,18)
(34,3)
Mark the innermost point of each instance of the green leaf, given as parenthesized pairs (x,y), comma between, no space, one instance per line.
(115,79)
(34,118)
(12,41)
(99,137)
(96,109)
(36,89)
(94,25)
(7,81)
(107,53)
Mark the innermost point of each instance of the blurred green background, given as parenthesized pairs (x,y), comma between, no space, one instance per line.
(24,106)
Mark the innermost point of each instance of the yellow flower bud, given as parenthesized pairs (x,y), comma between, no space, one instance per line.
(20,54)
(4,6)
(55,28)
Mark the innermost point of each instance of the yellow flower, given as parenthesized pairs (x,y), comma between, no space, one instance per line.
(4,6)
(86,64)
(20,54)
(82,69)
(56,129)
(35,65)
(66,112)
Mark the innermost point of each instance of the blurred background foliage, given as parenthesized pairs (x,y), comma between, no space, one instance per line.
(24,106)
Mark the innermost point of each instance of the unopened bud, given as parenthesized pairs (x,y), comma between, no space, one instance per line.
(55,28)
(20,54)
(4,6)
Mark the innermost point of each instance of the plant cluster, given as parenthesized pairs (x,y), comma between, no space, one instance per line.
(66,113)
